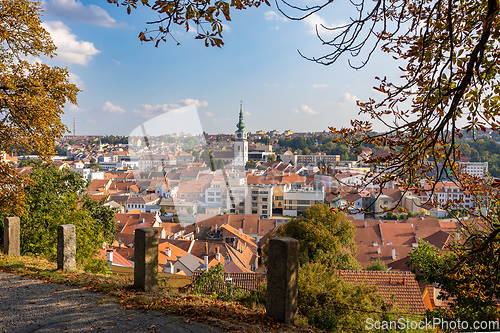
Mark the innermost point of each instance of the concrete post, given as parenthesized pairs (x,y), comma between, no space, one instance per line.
(282,279)
(146,259)
(11,236)
(66,247)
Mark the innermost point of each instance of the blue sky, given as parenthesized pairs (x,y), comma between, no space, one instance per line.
(124,83)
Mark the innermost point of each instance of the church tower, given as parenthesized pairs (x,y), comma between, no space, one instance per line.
(240,144)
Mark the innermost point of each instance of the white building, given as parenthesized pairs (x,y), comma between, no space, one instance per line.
(479,169)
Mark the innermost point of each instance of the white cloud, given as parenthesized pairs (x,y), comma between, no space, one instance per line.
(196,102)
(348,99)
(91,120)
(304,109)
(225,27)
(320,86)
(68,48)
(75,10)
(247,114)
(75,79)
(32,59)
(150,111)
(273,16)
(314,20)
(109,107)
(74,108)
(117,62)
(209,114)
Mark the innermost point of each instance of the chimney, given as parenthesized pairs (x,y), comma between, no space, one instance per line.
(393,254)
(217,254)
(216,228)
(197,229)
(416,233)
(436,293)
(206,248)
(404,281)
(390,280)
(169,268)
(378,250)
(205,259)
(366,224)
(109,255)
(169,252)
(241,231)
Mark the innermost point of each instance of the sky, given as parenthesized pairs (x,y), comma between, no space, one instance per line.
(126,83)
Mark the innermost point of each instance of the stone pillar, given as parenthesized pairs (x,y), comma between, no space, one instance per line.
(146,259)
(282,279)
(66,247)
(11,232)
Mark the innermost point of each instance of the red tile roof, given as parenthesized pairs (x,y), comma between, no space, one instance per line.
(398,288)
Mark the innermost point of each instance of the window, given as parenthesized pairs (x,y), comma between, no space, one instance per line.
(254,198)
(264,199)
(254,204)
(255,192)
(241,211)
(242,204)
(264,212)
(264,206)
(254,212)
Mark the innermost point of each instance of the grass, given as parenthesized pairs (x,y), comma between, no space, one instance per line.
(227,316)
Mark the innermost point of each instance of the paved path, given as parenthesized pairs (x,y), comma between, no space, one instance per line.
(28,305)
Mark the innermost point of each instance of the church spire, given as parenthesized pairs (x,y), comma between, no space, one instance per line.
(240,124)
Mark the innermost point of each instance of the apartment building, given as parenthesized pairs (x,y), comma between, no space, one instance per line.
(296,201)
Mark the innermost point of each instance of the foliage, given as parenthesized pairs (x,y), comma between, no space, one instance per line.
(212,282)
(483,150)
(471,285)
(54,199)
(255,297)
(332,304)
(325,144)
(324,237)
(32,95)
(377,266)
(251,164)
(206,16)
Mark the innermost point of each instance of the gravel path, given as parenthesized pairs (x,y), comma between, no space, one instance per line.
(28,305)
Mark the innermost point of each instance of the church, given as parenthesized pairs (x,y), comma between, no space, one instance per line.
(240,144)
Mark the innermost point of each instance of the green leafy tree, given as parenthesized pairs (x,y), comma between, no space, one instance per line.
(55,198)
(32,95)
(324,237)
(377,266)
(471,285)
